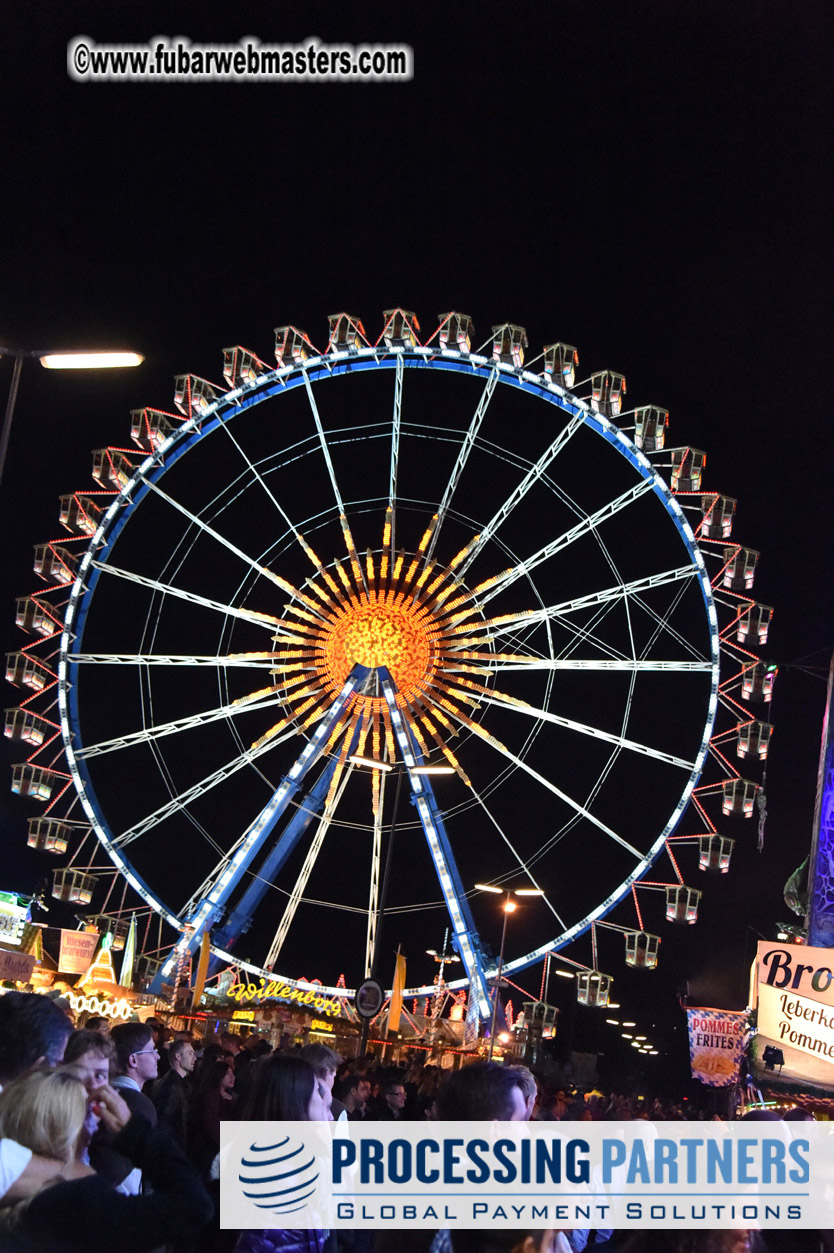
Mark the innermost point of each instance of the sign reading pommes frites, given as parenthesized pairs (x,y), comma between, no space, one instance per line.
(716,1043)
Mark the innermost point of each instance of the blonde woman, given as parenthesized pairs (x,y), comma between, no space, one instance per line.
(77,1209)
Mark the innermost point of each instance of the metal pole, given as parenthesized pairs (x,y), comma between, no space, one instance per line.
(383,894)
(10,404)
(498,981)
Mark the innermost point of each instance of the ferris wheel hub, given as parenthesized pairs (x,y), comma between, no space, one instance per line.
(381,634)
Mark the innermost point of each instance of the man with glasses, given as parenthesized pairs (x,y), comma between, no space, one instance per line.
(135,1063)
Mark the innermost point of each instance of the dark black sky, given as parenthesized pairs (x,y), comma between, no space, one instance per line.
(650,182)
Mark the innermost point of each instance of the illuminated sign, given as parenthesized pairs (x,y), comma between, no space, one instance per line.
(716,1043)
(795,997)
(96,1005)
(76,951)
(275,990)
(318,1025)
(13,918)
(243,1015)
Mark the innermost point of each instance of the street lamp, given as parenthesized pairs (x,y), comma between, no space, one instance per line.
(509,906)
(55,361)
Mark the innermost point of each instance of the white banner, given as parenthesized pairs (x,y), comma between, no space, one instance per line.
(787,1018)
(795,995)
(76,952)
(518,1175)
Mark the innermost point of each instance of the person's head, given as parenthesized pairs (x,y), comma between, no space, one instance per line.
(393,1093)
(481,1091)
(157,1026)
(325,1062)
(284,1089)
(798,1113)
(93,1023)
(211,1053)
(214,1076)
(355,1091)
(136,1055)
(527,1082)
(32,1030)
(44,1111)
(230,1042)
(88,1056)
(182,1057)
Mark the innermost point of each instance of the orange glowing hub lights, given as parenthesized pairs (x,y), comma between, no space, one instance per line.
(378,634)
(403,611)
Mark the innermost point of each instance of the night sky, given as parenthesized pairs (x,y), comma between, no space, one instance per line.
(649,182)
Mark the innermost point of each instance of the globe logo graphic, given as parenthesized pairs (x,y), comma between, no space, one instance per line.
(284,1176)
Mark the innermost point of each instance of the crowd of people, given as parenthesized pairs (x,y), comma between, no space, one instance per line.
(110,1138)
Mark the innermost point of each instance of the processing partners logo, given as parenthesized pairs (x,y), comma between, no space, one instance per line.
(280,1177)
(523,1176)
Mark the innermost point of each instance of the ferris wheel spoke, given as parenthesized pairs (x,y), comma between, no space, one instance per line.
(396,428)
(532,477)
(265,620)
(204,527)
(373,889)
(547,783)
(257,476)
(638,664)
(663,621)
(583,728)
(158,731)
(195,791)
(463,456)
(323,442)
(301,882)
(509,622)
(570,536)
(523,865)
(254,661)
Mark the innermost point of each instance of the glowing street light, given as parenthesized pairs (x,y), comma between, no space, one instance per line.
(90,360)
(55,361)
(509,906)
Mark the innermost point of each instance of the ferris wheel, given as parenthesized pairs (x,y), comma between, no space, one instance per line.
(294,601)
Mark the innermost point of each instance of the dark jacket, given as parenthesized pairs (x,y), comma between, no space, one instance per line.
(85,1214)
(105,1158)
(170,1096)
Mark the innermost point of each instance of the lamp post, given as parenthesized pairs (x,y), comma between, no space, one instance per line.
(386,767)
(509,906)
(55,361)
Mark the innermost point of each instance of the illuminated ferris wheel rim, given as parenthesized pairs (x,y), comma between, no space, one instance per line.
(279,382)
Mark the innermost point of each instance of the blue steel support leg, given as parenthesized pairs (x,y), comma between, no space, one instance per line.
(211,907)
(466,938)
(240,918)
